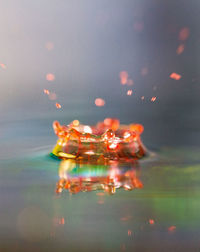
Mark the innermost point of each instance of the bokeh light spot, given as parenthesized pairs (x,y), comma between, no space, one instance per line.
(123,77)
(46,91)
(153,98)
(76,123)
(2,65)
(180,49)
(175,76)
(171,228)
(151,221)
(58,106)
(99,102)
(129,92)
(184,33)
(50,77)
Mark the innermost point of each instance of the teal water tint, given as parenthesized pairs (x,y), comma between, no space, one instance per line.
(34,218)
(170,197)
(90,171)
(98,170)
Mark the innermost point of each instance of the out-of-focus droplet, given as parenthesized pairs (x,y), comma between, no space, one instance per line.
(151,221)
(123,77)
(142,97)
(153,98)
(107,121)
(180,49)
(49,45)
(175,76)
(184,33)
(62,221)
(99,102)
(137,128)
(58,106)
(112,123)
(75,123)
(50,77)
(58,221)
(2,65)
(171,228)
(46,91)
(129,92)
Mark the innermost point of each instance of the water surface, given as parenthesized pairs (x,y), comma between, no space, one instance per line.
(164,215)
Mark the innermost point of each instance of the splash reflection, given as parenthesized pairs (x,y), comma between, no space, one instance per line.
(107,176)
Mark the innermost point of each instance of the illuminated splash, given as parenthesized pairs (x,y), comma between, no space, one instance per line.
(106,176)
(106,140)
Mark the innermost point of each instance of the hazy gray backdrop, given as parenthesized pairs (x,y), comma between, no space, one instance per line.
(93,41)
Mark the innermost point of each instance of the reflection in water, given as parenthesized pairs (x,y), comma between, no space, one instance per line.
(84,177)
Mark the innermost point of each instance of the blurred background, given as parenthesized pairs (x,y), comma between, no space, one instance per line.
(84,45)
